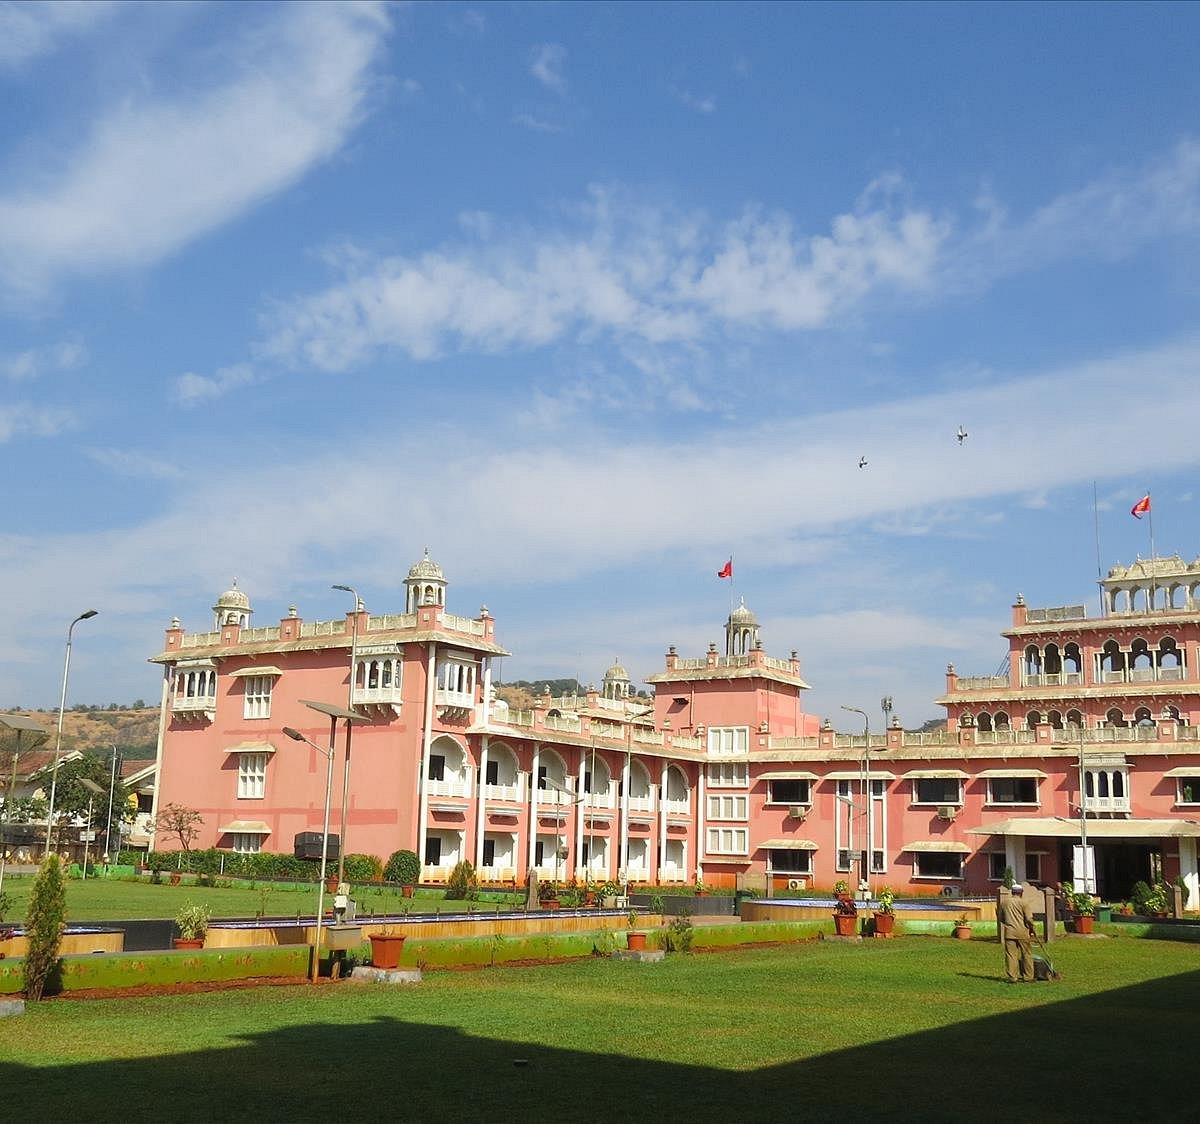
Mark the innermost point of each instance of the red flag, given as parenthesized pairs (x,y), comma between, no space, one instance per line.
(1141,507)
(726,571)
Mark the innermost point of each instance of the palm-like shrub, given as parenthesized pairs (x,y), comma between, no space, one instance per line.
(44,925)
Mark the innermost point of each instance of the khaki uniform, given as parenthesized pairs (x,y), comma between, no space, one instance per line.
(1016,933)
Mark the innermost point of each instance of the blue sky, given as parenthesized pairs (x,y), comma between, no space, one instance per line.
(588,298)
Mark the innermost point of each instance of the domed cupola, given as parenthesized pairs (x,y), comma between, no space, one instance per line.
(232,607)
(616,684)
(741,631)
(426,585)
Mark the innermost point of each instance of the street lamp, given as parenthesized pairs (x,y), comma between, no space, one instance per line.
(112,785)
(94,790)
(866,782)
(334,713)
(350,706)
(87,614)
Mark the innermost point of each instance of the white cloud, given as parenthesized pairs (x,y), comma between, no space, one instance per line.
(535,124)
(141,466)
(35,361)
(155,174)
(192,389)
(23,420)
(549,59)
(31,30)
(700,103)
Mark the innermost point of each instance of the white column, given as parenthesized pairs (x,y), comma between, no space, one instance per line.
(1191,875)
(426,742)
(701,818)
(662,821)
(486,709)
(533,791)
(1014,855)
(163,705)
(580,811)
(623,838)
(480,810)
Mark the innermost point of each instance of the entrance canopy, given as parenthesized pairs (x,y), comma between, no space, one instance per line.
(1056,827)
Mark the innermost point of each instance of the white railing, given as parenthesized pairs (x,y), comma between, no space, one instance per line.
(680,741)
(1112,677)
(512,717)
(1141,675)
(199,639)
(373,696)
(777,664)
(642,803)
(568,723)
(1058,613)
(497,873)
(606,799)
(514,792)
(195,702)
(1170,674)
(439,873)
(390,621)
(672,874)
(796,743)
(607,729)
(463,624)
(981,682)
(1005,737)
(678,807)
(690,664)
(647,737)
(457,787)
(442,697)
(1187,733)
(933,737)
(857,741)
(551,796)
(322,628)
(1106,803)
(254,635)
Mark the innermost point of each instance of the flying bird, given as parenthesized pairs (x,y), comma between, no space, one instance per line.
(862,462)
(961,435)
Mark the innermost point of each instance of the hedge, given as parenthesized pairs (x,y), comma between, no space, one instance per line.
(358,868)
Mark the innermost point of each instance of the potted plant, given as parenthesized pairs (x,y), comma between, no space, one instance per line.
(1084,908)
(845,917)
(841,890)
(700,889)
(386,946)
(403,867)
(636,942)
(548,894)
(885,915)
(192,923)
(962,928)
(608,894)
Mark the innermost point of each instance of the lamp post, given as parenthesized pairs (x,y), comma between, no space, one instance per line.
(94,790)
(349,706)
(87,614)
(112,784)
(866,781)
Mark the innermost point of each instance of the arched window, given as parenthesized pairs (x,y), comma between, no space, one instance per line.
(1052,661)
(1115,718)
(1072,661)
(1056,719)
(1001,720)
(984,722)
(1142,717)
(1032,718)
(1033,660)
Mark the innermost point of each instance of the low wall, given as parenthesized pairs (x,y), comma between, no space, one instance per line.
(93,940)
(139,969)
(766,909)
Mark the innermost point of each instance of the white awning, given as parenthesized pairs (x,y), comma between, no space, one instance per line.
(787,775)
(1183,771)
(856,775)
(787,845)
(945,846)
(245,827)
(988,774)
(1055,827)
(251,747)
(246,672)
(935,775)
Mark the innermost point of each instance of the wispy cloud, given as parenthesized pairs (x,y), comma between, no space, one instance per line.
(140,466)
(700,103)
(192,389)
(470,21)
(38,27)
(24,420)
(155,174)
(536,124)
(35,361)
(549,59)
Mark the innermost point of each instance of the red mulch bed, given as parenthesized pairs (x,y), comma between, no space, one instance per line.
(181,988)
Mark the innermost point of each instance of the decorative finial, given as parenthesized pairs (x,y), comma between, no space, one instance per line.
(175,622)
(293,611)
(1020,599)
(949,669)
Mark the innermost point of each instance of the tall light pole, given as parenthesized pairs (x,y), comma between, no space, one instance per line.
(866,781)
(94,790)
(112,784)
(349,706)
(87,614)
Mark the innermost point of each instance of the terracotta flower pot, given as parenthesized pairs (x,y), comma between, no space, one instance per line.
(550,903)
(385,950)
(846,924)
(962,932)
(187,942)
(636,942)
(175,878)
(1084,923)
(885,923)
(331,885)
(407,891)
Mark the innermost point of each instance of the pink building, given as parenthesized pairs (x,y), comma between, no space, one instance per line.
(722,777)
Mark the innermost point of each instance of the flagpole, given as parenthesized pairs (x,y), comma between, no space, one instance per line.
(1153,556)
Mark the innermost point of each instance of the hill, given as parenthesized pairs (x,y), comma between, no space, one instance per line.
(134,731)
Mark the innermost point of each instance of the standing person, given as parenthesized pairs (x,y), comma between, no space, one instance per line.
(1016,933)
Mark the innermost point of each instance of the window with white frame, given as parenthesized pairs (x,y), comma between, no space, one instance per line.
(252,776)
(791,862)
(729,774)
(727,840)
(789,792)
(247,842)
(1188,789)
(997,865)
(728,807)
(258,696)
(937,864)
(937,790)
(1012,790)
(723,741)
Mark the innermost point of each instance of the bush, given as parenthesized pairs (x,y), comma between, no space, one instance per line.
(678,935)
(463,882)
(363,868)
(403,867)
(44,925)
(1148,900)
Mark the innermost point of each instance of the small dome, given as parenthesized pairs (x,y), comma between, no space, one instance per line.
(426,570)
(616,672)
(742,615)
(233,599)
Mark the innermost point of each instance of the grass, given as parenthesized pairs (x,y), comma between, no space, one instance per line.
(913,1029)
(98,899)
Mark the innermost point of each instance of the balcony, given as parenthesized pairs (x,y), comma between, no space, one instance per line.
(642,803)
(678,806)
(513,791)
(194,705)
(1093,804)
(462,700)
(606,799)
(456,786)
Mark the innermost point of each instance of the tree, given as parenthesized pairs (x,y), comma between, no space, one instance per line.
(43,925)
(73,796)
(181,822)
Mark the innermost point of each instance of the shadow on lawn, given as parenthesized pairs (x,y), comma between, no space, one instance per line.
(1081,1059)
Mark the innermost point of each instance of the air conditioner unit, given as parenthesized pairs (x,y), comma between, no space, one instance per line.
(797,883)
(947,812)
(798,812)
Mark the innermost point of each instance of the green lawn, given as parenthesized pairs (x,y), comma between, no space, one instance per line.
(98,899)
(911,1029)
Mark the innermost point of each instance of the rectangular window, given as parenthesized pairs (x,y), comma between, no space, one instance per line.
(727,807)
(433,851)
(731,774)
(937,864)
(997,865)
(791,862)
(789,792)
(539,849)
(878,866)
(937,790)
(724,741)
(252,776)
(1033,866)
(1012,790)
(1189,790)
(493,772)
(849,860)
(727,840)
(247,842)
(437,767)
(258,696)
(489,852)
(541,781)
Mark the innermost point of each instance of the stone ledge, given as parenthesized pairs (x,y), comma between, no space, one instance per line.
(11,1007)
(650,956)
(364,974)
(856,939)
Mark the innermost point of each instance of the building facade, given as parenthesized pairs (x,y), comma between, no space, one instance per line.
(720,777)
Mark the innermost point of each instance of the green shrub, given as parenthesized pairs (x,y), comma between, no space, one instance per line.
(5,904)
(1148,900)
(463,882)
(192,921)
(678,935)
(1179,881)
(403,867)
(363,868)
(44,925)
